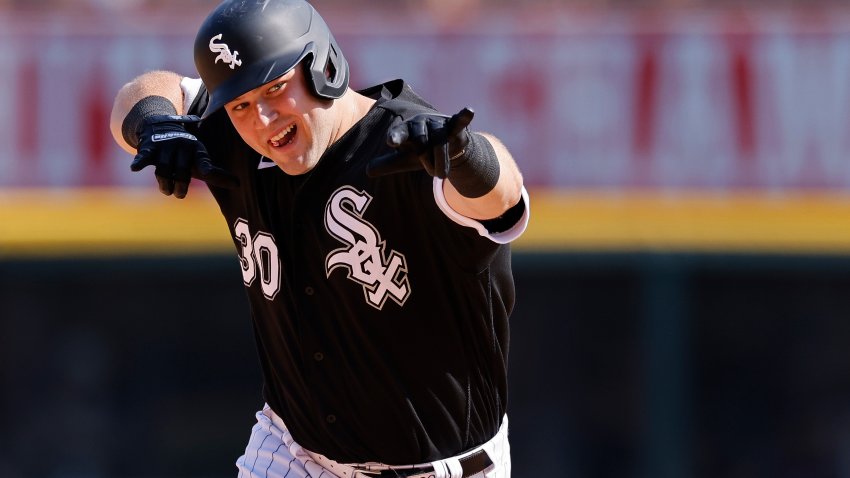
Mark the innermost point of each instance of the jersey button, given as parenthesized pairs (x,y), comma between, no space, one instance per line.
(309,290)
(318,356)
(331,418)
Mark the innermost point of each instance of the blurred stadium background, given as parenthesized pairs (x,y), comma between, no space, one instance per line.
(683,306)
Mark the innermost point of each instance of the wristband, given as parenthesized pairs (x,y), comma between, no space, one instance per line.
(134,121)
(474,171)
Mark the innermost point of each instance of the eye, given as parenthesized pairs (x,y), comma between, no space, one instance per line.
(276,87)
(239,107)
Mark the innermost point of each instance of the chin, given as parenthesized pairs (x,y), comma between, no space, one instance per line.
(293,168)
(297,172)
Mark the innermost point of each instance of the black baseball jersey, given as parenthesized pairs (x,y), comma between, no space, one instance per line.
(381,324)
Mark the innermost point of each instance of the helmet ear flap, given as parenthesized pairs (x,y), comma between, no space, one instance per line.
(330,66)
(330,78)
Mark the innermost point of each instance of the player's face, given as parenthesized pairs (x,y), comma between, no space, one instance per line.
(285,122)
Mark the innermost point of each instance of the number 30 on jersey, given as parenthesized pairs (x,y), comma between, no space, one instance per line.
(258,258)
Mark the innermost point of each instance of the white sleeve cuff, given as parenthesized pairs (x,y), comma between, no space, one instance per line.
(191,87)
(503,237)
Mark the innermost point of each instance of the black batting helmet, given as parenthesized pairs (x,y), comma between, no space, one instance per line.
(246,43)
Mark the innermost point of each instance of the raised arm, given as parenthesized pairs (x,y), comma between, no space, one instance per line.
(148,120)
(164,84)
(504,195)
(481,179)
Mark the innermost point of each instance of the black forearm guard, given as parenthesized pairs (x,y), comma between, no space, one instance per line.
(134,121)
(475,171)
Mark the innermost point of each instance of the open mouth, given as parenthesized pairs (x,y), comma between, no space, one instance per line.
(285,137)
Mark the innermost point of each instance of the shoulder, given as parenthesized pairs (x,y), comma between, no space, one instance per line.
(196,99)
(398,98)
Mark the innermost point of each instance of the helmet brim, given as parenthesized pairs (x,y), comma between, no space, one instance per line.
(254,76)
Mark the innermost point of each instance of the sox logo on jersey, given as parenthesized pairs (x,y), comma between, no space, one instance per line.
(364,254)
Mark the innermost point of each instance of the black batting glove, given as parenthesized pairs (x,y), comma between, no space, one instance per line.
(425,141)
(177,155)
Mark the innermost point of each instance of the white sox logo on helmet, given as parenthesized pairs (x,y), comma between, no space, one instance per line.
(224,53)
(364,255)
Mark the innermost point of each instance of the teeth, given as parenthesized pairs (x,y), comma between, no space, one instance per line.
(283,133)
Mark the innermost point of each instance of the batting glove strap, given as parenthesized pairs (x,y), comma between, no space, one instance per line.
(134,122)
(475,170)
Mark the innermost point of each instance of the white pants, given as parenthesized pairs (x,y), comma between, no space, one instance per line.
(272,453)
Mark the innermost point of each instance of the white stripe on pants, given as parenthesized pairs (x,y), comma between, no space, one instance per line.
(272,453)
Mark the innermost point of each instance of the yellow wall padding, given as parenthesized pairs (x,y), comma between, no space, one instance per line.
(110,221)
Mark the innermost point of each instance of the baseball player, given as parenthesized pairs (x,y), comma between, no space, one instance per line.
(372,233)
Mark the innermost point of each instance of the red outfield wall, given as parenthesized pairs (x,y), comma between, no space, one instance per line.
(693,99)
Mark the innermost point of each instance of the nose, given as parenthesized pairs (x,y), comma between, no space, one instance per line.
(265,114)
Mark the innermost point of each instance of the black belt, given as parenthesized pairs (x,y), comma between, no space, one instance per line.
(472,464)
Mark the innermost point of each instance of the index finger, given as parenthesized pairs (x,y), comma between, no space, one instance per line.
(459,121)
